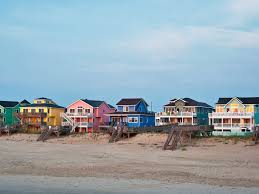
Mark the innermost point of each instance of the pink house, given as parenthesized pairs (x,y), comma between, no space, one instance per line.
(86,115)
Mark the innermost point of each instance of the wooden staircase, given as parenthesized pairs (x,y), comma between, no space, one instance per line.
(175,136)
(174,139)
(71,122)
(116,134)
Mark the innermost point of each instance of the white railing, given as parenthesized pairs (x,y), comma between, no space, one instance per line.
(79,114)
(168,123)
(234,125)
(176,114)
(78,124)
(85,124)
(230,114)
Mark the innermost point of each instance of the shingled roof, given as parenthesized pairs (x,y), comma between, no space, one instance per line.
(8,103)
(93,103)
(42,98)
(189,102)
(244,100)
(110,106)
(131,101)
(25,102)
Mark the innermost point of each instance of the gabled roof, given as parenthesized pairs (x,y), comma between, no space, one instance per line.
(244,100)
(25,102)
(131,101)
(93,103)
(110,106)
(8,103)
(189,102)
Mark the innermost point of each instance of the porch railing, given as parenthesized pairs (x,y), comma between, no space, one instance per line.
(176,114)
(230,114)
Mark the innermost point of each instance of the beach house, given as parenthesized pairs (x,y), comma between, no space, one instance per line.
(8,111)
(43,111)
(184,111)
(86,115)
(235,115)
(132,112)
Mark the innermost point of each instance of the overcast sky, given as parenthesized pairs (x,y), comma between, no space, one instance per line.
(109,49)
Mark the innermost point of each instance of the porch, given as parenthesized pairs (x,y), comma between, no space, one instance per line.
(180,121)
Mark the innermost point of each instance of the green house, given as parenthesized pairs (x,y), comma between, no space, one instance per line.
(8,111)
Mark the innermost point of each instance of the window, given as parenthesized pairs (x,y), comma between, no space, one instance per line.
(72,110)
(4,119)
(0,110)
(33,110)
(133,119)
(87,110)
(80,110)
(141,120)
(38,102)
(17,111)
(41,110)
(25,110)
(125,109)
(48,110)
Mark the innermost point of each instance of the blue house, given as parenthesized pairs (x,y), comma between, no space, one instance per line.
(133,112)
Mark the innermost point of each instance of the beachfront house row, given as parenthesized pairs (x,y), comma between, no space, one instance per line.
(184,111)
(42,112)
(86,115)
(132,112)
(235,116)
(8,111)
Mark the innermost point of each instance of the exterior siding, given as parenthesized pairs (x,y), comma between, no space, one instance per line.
(9,117)
(142,117)
(142,107)
(1,115)
(53,114)
(98,113)
(53,117)
(256,115)
(120,108)
(203,115)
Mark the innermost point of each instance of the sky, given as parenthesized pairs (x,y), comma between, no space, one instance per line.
(113,49)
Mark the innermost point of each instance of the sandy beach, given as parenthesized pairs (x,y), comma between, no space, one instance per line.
(211,162)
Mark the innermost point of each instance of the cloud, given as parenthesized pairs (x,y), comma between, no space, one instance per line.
(223,37)
(243,11)
(157,43)
(175,42)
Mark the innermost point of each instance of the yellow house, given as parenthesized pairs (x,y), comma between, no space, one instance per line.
(42,112)
(235,116)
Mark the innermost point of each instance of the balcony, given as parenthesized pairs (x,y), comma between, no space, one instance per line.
(32,115)
(176,114)
(231,115)
(78,124)
(37,124)
(233,125)
(79,114)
